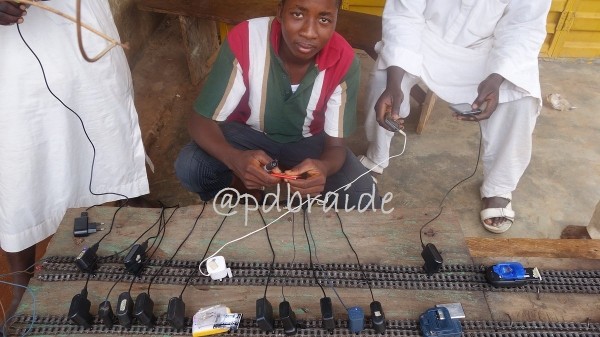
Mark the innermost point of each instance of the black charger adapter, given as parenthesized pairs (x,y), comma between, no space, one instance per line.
(433,259)
(79,311)
(83,227)
(87,260)
(125,310)
(377,317)
(287,316)
(176,313)
(327,314)
(106,314)
(144,310)
(134,261)
(264,315)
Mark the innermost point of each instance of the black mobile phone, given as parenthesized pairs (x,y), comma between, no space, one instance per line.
(392,124)
(464,109)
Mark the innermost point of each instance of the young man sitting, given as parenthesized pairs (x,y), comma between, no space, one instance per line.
(282,88)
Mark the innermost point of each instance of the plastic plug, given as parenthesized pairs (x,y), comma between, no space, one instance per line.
(87,260)
(125,310)
(377,317)
(264,315)
(83,227)
(134,261)
(144,310)
(327,314)
(288,318)
(176,313)
(106,314)
(79,311)
(433,259)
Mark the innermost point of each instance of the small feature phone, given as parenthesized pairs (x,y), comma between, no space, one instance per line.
(464,109)
(392,124)
(284,176)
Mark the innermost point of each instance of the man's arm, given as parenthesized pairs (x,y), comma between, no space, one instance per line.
(399,52)
(246,165)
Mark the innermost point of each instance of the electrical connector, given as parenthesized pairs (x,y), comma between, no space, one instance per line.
(356,319)
(106,314)
(125,310)
(134,261)
(176,313)
(79,311)
(377,317)
(264,315)
(87,260)
(327,314)
(144,310)
(83,227)
(433,259)
(288,318)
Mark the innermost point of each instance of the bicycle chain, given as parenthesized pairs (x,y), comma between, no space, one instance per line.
(451,277)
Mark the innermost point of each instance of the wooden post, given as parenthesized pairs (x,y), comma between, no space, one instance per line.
(201,41)
(594,227)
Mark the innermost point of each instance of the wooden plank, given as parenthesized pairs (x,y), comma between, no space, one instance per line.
(378,238)
(561,248)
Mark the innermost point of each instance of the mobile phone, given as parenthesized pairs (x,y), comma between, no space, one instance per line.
(284,176)
(392,124)
(271,165)
(464,109)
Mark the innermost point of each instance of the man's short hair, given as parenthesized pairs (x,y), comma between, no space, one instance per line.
(338,3)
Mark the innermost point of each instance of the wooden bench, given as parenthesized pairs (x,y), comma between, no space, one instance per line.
(197,17)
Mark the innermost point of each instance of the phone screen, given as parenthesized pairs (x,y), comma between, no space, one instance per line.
(464,109)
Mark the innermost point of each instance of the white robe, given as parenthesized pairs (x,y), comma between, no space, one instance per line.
(45,157)
(452,46)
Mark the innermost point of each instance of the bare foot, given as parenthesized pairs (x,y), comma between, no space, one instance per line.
(495,202)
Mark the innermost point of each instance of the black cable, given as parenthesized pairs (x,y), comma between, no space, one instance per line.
(178,248)
(86,281)
(329,282)
(355,254)
(84,131)
(272,252)
(205,253)
(305,215)
(455,185)
(294,246)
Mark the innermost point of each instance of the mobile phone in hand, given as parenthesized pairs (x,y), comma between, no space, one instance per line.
(464,109)
(284,176)
(392,124)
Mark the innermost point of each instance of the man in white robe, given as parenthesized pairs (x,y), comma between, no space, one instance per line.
(45,157)
(484,53)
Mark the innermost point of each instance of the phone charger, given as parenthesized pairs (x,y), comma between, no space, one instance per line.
(327,314)
(125,310)
(79,311)
(106,314)
(287,318)
(264,315)
(176,313)
(144,310)
(356,319)
(433,259)
(377,317)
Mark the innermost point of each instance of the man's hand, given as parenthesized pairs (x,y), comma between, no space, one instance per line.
(249,165)
(314,184)
(388,104)
(11,13)
(488,94)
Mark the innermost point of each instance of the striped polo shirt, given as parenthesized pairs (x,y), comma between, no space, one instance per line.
(248,84)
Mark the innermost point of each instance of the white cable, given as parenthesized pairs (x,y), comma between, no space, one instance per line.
(284,214)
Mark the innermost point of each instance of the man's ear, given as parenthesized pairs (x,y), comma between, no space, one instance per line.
(279,11)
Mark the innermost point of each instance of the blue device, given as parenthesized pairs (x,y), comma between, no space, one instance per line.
(437,322)
(511,274)
(356,319)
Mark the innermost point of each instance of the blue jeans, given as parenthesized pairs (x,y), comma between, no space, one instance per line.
(203,174)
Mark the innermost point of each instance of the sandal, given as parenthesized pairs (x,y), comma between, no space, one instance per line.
(506,212)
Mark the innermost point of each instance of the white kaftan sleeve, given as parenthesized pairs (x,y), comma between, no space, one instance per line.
(518,38)
(403,24)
